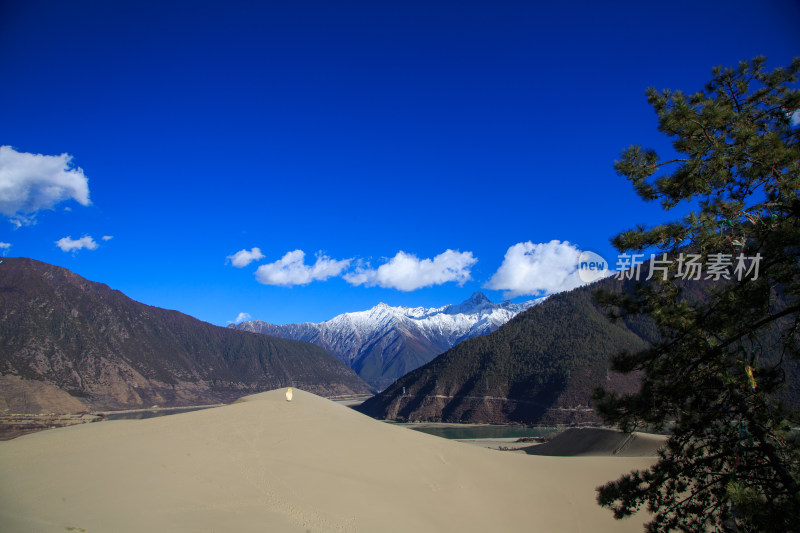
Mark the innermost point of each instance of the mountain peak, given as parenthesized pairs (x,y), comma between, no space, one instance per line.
(473,304)
(385,342)
(478,298)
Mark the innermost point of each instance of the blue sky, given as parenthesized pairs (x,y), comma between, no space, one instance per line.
(412,152)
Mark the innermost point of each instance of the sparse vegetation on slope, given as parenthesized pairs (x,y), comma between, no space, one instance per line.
(111,352)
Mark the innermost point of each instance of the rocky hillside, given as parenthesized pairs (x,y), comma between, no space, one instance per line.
(108,351)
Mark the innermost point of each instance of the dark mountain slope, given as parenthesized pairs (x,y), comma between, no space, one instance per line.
(99,345)
(539,368)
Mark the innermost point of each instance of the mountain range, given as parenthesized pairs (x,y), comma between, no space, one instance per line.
(542,366)
(67,343)
(539,368)
(384,343)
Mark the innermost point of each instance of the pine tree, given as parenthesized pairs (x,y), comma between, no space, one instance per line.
(713,380)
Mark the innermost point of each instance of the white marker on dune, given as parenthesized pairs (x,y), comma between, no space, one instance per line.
(289,394)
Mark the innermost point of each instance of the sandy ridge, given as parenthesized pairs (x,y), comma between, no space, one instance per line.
(265,464)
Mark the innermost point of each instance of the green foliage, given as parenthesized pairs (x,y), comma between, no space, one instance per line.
(717,373)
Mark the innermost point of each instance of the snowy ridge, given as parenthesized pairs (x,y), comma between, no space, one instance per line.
(383,343)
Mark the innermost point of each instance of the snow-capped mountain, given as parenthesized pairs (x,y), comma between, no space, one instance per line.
(384,343)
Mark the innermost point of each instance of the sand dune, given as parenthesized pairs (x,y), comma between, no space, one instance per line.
(266,464)
(598,442)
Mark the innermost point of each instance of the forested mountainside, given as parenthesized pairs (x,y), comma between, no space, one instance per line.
(539,368)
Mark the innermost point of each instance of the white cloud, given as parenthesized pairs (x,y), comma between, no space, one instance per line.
(794,119)
(292,270)
(68,244)
(32,182)
(241,317)
(107,237)
(4,246)
(537,269)
(407,273)
(242,258)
